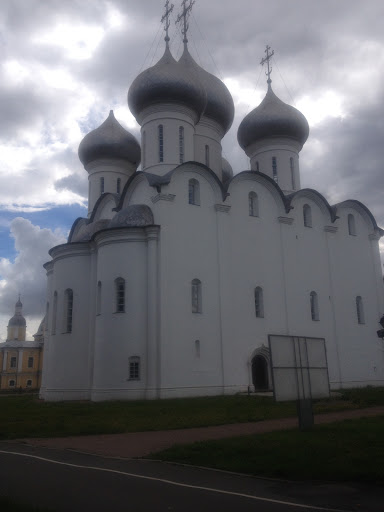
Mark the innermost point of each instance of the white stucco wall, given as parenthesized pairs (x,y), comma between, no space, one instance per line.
(231,253)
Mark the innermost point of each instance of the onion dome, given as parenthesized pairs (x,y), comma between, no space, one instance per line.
(219,106)
(109,140)
(17,320)
(227,170)
(272,118)
(166,82)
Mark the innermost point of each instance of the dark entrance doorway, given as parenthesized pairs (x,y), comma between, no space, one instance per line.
(260,373)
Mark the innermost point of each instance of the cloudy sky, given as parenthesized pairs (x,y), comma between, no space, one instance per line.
(65,64)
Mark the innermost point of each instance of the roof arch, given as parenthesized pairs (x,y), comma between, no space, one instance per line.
(206,173)
(76,226)
(101,203)
(363,211)
(157,181)
(268,182)
(317,198)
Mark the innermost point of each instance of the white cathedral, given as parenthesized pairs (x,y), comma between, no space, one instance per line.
(173,284)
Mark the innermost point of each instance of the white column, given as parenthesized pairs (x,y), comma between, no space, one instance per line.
(20,361)
(153,355)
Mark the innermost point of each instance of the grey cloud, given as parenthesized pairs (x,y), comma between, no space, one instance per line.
(75,183)
(351,165)
(26,275)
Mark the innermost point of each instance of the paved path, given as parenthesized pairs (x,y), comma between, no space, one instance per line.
(139,444)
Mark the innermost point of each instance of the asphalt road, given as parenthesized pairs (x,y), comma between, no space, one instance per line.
(70,481)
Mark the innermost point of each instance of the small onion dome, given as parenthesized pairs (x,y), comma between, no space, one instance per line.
(220,106)
(109,140)
(227,170)
(272,118)
(17,321)
(166,82)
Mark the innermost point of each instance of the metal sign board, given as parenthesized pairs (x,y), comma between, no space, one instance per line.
(299,367)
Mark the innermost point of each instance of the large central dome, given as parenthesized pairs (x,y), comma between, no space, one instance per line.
(219,106)
(168,81)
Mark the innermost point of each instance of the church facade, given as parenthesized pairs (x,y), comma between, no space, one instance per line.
(172,285)
(21,361)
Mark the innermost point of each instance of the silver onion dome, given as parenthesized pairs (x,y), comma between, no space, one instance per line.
(109,140)
(226,169)
(17,321)
(219,106)
(168,81)
(272,118)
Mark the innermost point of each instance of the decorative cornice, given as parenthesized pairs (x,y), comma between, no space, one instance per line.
(222,208)
(330,229)
(285,220)
(163,197)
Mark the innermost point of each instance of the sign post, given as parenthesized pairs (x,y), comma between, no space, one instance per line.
(299,372)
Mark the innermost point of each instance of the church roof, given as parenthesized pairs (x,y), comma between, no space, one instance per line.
(20,344)
(110,140)
(168,81)
(272,118)
(219,106)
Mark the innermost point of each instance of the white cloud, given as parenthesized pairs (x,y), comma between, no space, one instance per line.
(26,275)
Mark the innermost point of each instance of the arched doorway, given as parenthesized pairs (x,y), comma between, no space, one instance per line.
(260,373)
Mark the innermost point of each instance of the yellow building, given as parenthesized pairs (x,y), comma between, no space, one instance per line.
(21,361)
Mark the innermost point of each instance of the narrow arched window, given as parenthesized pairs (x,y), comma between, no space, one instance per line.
(101,186)
(120,295)
(314,303)
(259,302)
(196,296)
(257,167)
(360,310)
(54,313)
(29,383)
(274,169)
(144,158)
(194,192)
(68,303)
(98,300)
(292,167)
(161,142)
(134,368)
(307,216)
(351,225)
(253,204)
(118,185)
(181,144)
(11,383)
(207,155)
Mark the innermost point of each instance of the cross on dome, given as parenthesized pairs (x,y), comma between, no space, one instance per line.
(267,60)
(185,15)
(165,19)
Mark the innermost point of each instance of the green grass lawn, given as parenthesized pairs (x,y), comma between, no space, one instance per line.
(352,450)
(27,416)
